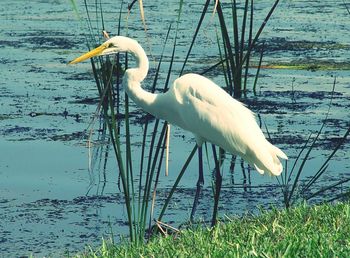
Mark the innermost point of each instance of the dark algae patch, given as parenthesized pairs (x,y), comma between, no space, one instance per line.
(59,187)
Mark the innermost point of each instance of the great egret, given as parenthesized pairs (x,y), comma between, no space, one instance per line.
(198,105)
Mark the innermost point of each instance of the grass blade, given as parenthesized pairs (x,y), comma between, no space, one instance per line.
(258,69)
(235,32)
(155,80)
(213,66)
(195,34)
(167,201)
(324,189)
(75,8)
(262,26)
(296,180)
(346,6)
(298,157)
(244,22)
(322,169)
(226,74)
(249,44)
(226,39)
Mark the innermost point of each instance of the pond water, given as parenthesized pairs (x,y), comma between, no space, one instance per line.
(51,203)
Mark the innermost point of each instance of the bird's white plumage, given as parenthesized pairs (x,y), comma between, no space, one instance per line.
(198,105)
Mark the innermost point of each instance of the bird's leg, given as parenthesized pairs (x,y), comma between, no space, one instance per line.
(249,178)
(167,150)
(218,183)
(232,169)
(200,183)
(244,176)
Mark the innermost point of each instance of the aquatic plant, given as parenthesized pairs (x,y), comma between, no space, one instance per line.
(238,51)
(115,109)
(234,60)
(138,195)
(139,189)
(293,188)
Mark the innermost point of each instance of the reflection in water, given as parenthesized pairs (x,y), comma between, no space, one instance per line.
(232,169)
(99,159)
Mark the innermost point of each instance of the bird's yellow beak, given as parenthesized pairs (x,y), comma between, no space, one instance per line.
(95,52)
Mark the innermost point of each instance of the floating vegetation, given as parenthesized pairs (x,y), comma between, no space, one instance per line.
(310,65)
(46,108)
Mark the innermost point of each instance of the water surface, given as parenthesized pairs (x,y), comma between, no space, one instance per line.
(51,202)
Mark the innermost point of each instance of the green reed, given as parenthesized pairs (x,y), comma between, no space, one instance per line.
(239,44)
(235,55)
(138,188)
(293,188)
(139,183)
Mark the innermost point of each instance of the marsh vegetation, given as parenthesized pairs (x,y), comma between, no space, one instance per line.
(80,160)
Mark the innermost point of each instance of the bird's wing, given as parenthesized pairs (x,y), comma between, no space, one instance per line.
(209,112)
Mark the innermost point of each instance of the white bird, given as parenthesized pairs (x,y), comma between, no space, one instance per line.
(198,105)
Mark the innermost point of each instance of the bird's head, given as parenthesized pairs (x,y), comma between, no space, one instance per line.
(113,45)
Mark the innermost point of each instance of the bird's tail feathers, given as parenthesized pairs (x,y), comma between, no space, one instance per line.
(258,169)
(267,160)
(276,167)
(279,153)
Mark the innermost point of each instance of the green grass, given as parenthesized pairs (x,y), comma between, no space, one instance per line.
(304,231)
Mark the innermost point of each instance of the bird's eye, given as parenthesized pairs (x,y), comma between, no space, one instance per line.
(110,45)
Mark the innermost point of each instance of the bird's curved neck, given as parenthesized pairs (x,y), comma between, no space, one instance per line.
(140,72)
(134,77)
